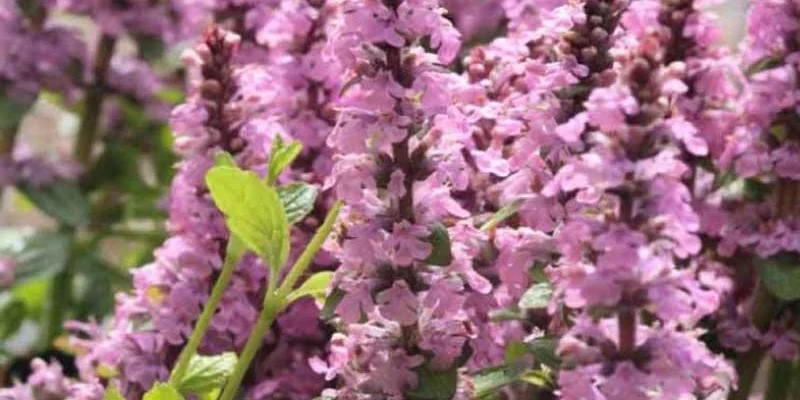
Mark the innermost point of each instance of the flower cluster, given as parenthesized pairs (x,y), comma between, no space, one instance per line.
(763,224)
(602,173)
(152,323)
(629,246)
(36,55)
(402,308)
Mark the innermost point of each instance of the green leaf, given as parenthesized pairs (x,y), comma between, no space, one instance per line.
(150,47)
(118,167)
(162,391)
(281,156)
(488,381)
(764,64)
(755,190)
(515,351)
(434,385)
(442,253)
(13,311)
(781,276)
(34,295)
(37,255)
(537,296)
(502,214)
(507,314)
(61,200)
(780,380)
(538,377)
(314,286)
(224,159)
(212,394)
(11,112)
(544,350)
(206,373)
(253,211)
(331,302)
(95,284)
(298,200)
(112,393)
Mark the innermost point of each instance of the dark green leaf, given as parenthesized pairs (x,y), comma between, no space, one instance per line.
(329,308)
(298,200)
(206,373)
(150,47)
(162,391)
(507,314)
(755,190)
(281,156)
(544,350)
(11,113)
(12,311)
(96,282)
(253,211)
(61,200)
(119,167)
(515,351)
(488,381)
(314,286)
(434,385)
(764,64)
(442,253)
(537,296)
(781,276)
(37,255)
(780,380)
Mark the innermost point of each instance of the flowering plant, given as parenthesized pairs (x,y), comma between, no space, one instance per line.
(414,199)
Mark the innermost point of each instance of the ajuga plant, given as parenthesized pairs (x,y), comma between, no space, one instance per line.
(436,200)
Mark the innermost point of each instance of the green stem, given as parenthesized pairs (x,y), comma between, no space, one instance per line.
(234,254)
(780,379)
(301,265)
(265,320)
(274,302)
(90,118)
(749,363)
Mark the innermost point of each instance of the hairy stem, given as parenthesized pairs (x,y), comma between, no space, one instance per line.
(231,260)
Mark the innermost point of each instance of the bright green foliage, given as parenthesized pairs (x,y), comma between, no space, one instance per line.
(207,373)
(253,212)
(315,286)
